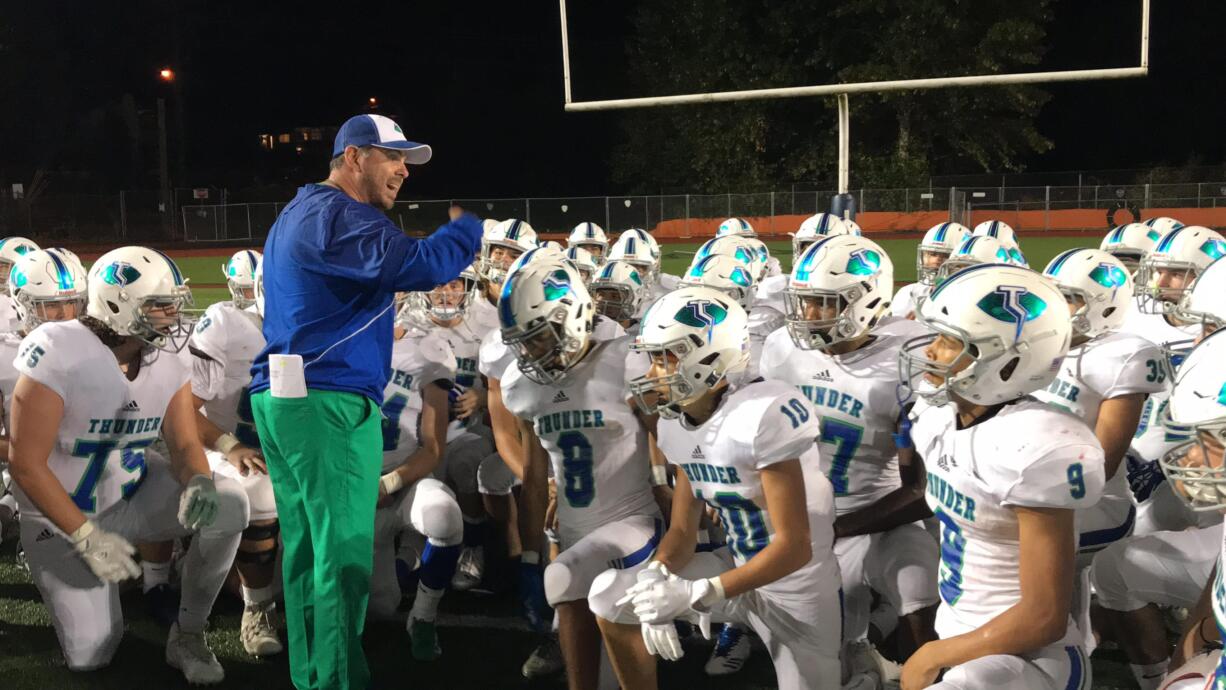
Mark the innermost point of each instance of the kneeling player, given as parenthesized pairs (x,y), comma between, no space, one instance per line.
(82,422)
(1005,475)
(748,450)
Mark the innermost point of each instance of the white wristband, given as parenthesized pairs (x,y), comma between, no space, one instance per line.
(659,475)
(82,533)
(225,443)
(391,482)
(718,588)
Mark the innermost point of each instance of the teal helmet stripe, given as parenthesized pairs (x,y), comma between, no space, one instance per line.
(505,315)
(1117,235)
(174,269)
(942,230)
(808,258)
(994,228)
(950,279)
(630,246)
(968,244)
(253,260)
(1054,267)
(1165,244)
(63,276)
(513,231)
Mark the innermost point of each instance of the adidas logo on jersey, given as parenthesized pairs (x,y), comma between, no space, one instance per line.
(697,454)
(945,462)
(131,407)
(44,535)
(823,376)
(561,397)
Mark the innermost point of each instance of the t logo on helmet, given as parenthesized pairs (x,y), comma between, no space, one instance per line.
(120,273)
(700,314)
(1013,304)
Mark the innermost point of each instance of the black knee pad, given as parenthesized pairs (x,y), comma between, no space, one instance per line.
(257,557)
(262,532)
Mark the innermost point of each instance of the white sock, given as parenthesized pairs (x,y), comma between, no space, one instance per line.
(154,574)
(259,595)
(425,606)
(1149,676)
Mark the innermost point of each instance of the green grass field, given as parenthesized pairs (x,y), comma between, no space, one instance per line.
(484,641)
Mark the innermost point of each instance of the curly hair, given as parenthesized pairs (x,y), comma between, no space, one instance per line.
(105,333)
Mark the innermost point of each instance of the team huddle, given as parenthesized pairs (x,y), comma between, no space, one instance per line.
(969,482)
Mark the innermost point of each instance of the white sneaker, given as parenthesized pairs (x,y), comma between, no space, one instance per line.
(190,653)
(864,667)
(259,631)
(731,651)
(469,569)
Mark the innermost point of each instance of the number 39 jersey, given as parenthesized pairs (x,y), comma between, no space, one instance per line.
(1028,455)
(596,444)
(1110,366)
(99,452)
(855,397)
(757,425)
(223,345)
(418,360)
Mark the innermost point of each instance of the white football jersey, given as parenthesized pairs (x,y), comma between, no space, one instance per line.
(906,298)
(1028,455)
(465,341)
(229,339)
(763,321)
(9,344)
(495,356)
(770,293)
(668,282)
(418,360)
(1152,440)
(856,399)
(9,323)
(1109,366)
(484,315)
(596,444)
(756,425)
(99,452)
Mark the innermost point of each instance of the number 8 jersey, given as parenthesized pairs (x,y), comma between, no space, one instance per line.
(99,452)
(595,442)
(1027,455)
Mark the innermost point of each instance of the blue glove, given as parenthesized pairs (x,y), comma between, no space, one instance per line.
(902,439)
(532,596)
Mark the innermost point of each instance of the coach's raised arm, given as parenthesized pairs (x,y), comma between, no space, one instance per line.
(332,265)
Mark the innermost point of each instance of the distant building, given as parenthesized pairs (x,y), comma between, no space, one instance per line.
(309,141)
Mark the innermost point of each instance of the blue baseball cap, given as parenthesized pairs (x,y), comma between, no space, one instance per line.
(377,130)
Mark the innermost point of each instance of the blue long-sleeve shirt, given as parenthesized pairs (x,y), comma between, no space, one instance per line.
(332,267)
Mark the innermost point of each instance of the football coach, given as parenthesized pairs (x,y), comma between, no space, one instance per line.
(333,263)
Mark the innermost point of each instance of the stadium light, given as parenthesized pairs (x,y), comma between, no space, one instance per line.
(166,74)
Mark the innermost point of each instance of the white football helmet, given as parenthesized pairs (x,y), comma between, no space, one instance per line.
(591,237)
(999,230)
(1130,243)
(1163,224)
(1100,282)
(69,254)
(707,333)
(583,261)
(813,229)
(735,226)
(554,245)
(1205,303)
(442,304)
(762,257)
(849,278)
(546,316)
(618,290)
(240,277)
(502,245)
(738,248)
(1197,409)
(853,227)
(632,249)
(45,278)
(1014,328)
(1177,258)
(977,249)
(940,241)
(12,249)
(126,284)
(726,274)
(644,236)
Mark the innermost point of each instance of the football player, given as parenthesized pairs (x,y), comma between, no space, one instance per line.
(748,450)
(842,356)
(997,229)
(591,237)
(93,395)
(619,292)
(735,226)
(568,393)
(731,277)
(1130,243)
(415,417)
(501,245)
(934,249)
(223,345)
(1006,474)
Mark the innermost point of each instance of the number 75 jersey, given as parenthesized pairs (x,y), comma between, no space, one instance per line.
(99,452)
(1029,455)
(855,397)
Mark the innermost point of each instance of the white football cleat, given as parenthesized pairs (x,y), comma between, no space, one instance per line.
(259,630)
(190,653)
(469,569)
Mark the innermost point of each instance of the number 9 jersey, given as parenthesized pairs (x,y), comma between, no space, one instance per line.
(99,452)
(1027,455)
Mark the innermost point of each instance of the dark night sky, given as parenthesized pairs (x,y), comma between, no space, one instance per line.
(481,82)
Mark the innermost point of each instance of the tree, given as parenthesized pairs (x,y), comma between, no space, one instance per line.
(684,46)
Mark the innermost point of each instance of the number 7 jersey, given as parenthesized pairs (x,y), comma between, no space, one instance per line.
(1029,455)
(99,451)
(595,441)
